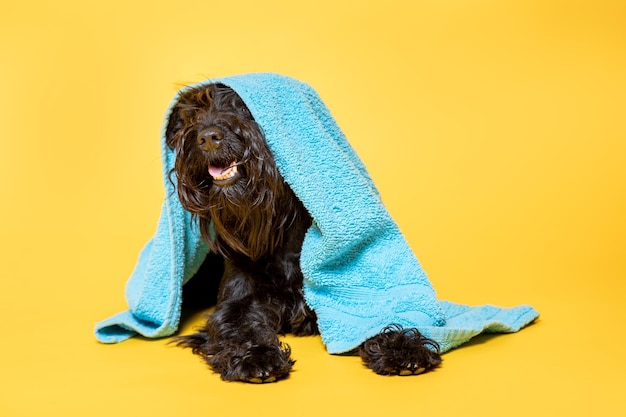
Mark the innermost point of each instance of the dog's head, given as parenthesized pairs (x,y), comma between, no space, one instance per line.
(214,136)
(225,171)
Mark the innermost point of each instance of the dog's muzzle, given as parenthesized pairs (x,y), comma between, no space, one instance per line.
(209,140)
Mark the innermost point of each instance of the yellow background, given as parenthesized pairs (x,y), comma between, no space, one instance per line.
(495,131)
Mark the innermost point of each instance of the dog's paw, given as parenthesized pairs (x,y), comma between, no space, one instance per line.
(398,351)
(257,364)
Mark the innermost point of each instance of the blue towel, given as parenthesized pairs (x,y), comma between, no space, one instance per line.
(360,274)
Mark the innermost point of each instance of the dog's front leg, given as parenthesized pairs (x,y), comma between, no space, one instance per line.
(239,340)
(244,345)
(399,351)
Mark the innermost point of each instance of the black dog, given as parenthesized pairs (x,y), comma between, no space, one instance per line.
(226,177)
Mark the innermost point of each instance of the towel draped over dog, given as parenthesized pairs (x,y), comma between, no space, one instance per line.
(360,274)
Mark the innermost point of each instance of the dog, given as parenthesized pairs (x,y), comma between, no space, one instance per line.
(226,177)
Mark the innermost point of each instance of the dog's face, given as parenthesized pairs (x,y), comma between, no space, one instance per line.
(212,132)
(225,171)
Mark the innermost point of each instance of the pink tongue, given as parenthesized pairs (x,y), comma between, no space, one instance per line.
(216,171)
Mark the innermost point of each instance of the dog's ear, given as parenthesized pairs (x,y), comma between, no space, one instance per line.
(175,123)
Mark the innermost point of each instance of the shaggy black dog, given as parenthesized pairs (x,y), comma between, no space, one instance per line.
(226,176)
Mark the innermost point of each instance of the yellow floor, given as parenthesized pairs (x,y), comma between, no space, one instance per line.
(494,129)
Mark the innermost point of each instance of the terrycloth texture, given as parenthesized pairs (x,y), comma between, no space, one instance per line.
(359,272)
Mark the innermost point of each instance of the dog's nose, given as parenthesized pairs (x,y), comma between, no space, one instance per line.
(209,139)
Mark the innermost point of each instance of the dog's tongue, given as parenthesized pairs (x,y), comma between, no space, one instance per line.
(216,171)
